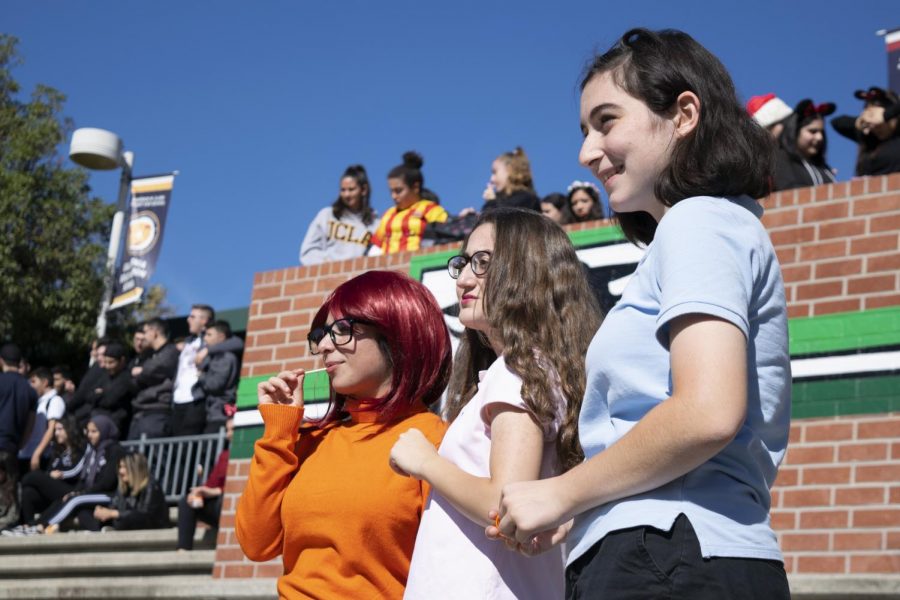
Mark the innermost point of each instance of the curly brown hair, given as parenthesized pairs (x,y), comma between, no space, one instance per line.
(519,168)
(538,301)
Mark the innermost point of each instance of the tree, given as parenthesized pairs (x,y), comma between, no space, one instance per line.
(53,234)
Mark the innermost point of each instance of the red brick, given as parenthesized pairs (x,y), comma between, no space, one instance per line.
(835,306)
(261,324)
(794,235)
(814,291)
(796,433)
(218,572)
(884,223)
(826,212)
(875,564)
(877,517)
(858,495)
(787,477)
(793,542)
(824,519)
(875,283)
(828,432)
(839,268)
(799,310)
(297,336)
(874,243)
(298,319)
(290,351)
(799,455)
(257,355)
(883,428)
(775,496)
(804,195)
(788,564)
(892,182)
(269,570)
(895,450)
(859,186)
(886,203)
(266,368)
(257,279)
(780,218)
(885,472)
(884,262)
(855,452)
(239,571)
(308,301)
(229,554)
(857,541)
(267,339)
(820,564)
(783,520)
(264,292)
(842,229)
(806,497)
(301,287)
(832,249)
(273,307)
(882,301)
(893,540)
(825,475)
(840,190)
(795,273)
(786,255)
(327,284)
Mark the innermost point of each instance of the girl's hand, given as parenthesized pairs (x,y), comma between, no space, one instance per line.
(489,193)
(411,452)
(539,544)
(533,509)
(56,474)
(284,388)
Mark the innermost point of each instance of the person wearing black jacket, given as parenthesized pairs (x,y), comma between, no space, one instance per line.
(800,156)
(118,389)
(876,130)
(511,184)
(219,372)
(155,378)
(97,480)
(139,502)
(82,402)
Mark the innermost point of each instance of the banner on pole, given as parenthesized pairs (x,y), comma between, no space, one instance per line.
(892,42)
(150,197)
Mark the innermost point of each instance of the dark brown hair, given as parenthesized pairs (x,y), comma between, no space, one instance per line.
(727,154)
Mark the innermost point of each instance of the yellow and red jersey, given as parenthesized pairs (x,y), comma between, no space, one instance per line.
(401,230)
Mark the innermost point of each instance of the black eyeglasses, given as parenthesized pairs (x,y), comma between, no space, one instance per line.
(340,331)
(480,261)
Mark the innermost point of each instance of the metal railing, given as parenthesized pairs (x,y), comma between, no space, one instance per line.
(179,463)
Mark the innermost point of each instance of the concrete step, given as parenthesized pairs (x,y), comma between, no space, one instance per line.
(108,564)
(106,541)
(196,587)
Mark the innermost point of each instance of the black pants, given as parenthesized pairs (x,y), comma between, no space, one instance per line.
(39,491)
(189,418)
(643,562)
(188,515)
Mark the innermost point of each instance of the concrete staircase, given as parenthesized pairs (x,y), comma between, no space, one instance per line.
(117,564)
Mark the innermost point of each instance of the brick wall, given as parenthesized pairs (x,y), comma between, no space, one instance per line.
(836,503)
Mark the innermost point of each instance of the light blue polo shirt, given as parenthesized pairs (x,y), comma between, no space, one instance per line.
(710,256)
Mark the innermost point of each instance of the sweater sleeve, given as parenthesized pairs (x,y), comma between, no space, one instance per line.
(312,250)
(258,525)
(846,126)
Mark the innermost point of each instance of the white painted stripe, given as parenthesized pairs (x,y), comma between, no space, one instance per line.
(251,418)
(618,254)
(845,364)
(140,182)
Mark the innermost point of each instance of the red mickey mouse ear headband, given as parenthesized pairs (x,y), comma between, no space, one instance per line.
(806,109)
(873,94)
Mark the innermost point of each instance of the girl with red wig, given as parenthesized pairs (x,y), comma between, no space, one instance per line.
(322,494)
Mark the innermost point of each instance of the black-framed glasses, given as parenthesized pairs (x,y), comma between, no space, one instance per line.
(479,262)
(340,331)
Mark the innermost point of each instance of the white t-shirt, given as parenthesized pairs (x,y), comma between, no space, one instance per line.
(187,372)
(452,557)
(51,405)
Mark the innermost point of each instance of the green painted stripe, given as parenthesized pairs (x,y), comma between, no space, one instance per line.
(429,262)
(243,440)
(315,389)
(834,397)
(600,235)
(845,331)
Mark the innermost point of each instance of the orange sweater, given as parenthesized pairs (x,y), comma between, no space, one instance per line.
(328,501)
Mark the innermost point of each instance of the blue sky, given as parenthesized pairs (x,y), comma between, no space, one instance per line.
(261,105)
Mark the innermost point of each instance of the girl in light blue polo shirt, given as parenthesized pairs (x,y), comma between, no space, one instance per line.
(687,405)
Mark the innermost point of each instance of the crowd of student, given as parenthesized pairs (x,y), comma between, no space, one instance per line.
(801,142)
(60,457)
(350,226)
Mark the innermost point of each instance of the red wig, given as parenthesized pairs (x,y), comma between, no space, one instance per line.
(411,333)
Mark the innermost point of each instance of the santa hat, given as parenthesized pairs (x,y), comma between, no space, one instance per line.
(768,110)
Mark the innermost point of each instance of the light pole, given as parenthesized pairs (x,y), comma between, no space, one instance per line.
(103,150)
